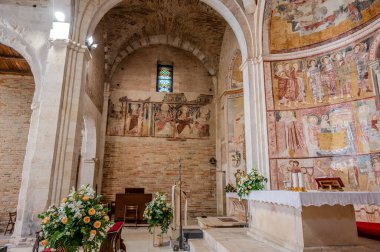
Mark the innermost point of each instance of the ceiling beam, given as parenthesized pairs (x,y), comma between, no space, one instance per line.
(15,72)
(8,57)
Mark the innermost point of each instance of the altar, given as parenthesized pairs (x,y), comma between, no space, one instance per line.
(310,221)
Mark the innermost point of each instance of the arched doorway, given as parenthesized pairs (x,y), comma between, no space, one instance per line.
(17,88)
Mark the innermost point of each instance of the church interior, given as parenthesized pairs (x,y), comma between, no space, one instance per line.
(190,125)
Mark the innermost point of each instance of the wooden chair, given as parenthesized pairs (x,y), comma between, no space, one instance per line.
(11,223)
(131,213)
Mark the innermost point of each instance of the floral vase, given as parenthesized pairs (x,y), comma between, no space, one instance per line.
(158,237)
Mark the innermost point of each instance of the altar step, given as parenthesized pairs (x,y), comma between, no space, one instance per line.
(229,240)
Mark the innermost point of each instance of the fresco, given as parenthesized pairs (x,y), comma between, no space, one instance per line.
(174,117)
(341,75)
(323,116)
(236,136)
(296,24)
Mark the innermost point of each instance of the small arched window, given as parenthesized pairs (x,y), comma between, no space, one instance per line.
(164,78)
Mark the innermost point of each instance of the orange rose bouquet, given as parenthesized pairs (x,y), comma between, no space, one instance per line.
(79,221)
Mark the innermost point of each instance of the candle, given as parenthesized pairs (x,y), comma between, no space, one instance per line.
(295,180)
(300,180)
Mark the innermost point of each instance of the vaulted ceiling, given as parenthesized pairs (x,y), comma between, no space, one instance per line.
(34,3)
(190,21)
(11,62)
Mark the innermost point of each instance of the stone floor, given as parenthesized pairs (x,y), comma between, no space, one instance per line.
(231,240)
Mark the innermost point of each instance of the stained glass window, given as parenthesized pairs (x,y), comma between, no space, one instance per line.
(164,78)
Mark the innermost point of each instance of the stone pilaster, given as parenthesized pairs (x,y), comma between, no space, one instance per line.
(35,191)
(255,116)
(102,136)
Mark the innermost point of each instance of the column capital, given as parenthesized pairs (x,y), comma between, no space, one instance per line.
(251,61)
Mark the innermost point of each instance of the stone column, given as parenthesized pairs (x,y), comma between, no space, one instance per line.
(102,136)
(255,116)
(34,196)
(375,66)
(68,142)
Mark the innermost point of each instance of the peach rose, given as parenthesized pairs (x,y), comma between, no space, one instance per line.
(97,224)
(64,220)
(86,219)
(93,232)
(85,198)
(44,243)
(106,218)
(45,220)
(91,211)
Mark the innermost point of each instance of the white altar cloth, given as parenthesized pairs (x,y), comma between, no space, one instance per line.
(313,198)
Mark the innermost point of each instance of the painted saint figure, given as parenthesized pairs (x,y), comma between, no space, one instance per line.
(184,122)
(283,84)
(314,75)
(329,76)
(360,57)
(165,121)
(343,71)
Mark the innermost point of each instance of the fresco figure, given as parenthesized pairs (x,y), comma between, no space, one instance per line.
(360,57)
(312,129)
(297,77)
(290,135)
(201,125)
(165,121)
(329,76)
(292,91)
(283,85)
(343,71)
(376,169)
(135,118)
(314,75)
(184,121)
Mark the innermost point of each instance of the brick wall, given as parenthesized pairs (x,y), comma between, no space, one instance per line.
(16,95)
(152,163)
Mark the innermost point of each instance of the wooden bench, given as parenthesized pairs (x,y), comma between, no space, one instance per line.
(114,242)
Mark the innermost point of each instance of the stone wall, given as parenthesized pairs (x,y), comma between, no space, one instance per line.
(148,158)
(323,117)
(152,163)
(16,94)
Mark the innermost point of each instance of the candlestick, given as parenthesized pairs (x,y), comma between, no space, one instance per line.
(295,181)
(301,182)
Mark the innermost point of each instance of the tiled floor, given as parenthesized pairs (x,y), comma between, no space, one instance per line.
(139,240)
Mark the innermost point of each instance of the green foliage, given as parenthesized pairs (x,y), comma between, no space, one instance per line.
(79,221)
(229,188)
(158,212)
(250,182)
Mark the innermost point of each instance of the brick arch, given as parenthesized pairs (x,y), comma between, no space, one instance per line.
(231,11)
(12,36)
(162,40)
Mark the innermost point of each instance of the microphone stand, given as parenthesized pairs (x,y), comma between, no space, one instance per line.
(180,205)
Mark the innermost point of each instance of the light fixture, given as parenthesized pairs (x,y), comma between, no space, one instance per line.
(59,16)
(90,43)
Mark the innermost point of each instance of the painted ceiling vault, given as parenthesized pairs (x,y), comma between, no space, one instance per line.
(301,24)
(189,20)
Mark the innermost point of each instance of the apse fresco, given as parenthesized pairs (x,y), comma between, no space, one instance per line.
(341,75)
(323,112)
(236,136)
(295,24)
(174,117)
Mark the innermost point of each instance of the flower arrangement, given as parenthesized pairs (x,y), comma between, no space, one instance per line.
(250,182)
(229,188)
(158,212)
(79,221)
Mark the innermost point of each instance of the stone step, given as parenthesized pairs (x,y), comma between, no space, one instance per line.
(198,245)
(234,240)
